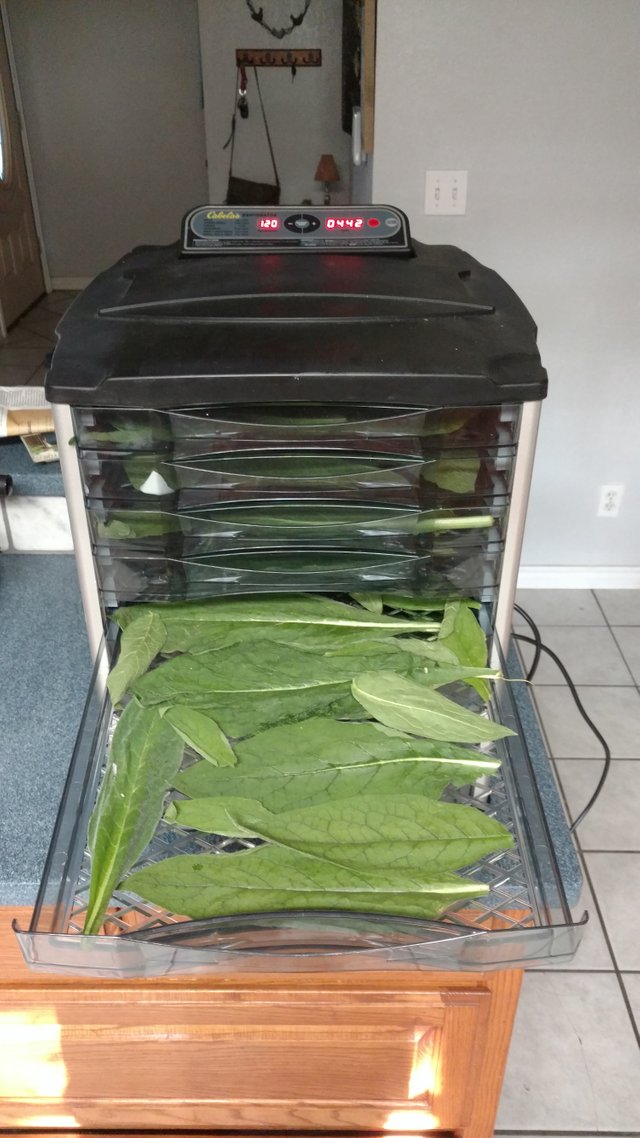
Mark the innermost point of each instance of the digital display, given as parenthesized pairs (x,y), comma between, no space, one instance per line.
(299,228)
(344,222)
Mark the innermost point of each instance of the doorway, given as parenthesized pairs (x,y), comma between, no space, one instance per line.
(21,275)
(308,109)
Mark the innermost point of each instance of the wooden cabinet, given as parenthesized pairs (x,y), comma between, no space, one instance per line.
(387,1052)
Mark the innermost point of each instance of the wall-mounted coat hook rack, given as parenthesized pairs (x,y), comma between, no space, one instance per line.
(278,57)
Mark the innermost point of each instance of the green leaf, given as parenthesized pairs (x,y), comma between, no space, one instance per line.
(455,473)
(269,879)
(372,602)
(386,831)
(318,760)
(144,758)
(433,650)
(407,705)
(239,715)
(214,635)
(413,604)
(139,645)
(461,633)
(263,666)
(439,676)
(150,474)
(306,465)
(138,523)
(212,815)
(302,747)
(201,733)
(285,609)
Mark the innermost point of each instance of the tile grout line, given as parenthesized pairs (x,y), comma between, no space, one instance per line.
(632,680)
(576,837)
(619,646)
(562,684)
(7,528)
(594,594)
(587,877)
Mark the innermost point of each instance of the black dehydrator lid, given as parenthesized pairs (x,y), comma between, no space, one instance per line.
(160,329)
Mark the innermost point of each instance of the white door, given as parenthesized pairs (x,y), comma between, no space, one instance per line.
(21,276)
(362,125)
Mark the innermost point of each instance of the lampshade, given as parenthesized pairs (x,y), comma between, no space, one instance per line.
(327,171)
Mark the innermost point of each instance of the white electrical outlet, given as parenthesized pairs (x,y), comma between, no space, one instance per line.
(610,501)
(445,192)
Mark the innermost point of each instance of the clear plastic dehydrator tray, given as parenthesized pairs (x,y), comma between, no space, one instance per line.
(187,431)
(524,919)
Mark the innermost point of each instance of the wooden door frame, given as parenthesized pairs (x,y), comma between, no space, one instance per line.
(4,20)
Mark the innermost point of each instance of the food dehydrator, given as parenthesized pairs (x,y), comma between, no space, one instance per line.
(295,400)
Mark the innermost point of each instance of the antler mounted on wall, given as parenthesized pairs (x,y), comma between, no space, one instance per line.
(257,14)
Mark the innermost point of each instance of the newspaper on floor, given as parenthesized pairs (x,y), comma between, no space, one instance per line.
(24,411)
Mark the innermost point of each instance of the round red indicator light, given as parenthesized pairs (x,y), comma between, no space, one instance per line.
(373,222)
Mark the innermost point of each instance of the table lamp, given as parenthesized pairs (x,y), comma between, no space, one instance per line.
(327,172)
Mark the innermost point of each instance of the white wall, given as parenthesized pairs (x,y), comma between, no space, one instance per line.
(113,108)
(539,100)
(305,117)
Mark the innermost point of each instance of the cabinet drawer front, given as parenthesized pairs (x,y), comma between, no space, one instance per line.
(339,1062)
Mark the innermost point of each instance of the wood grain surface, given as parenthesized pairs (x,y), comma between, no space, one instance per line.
(392,1052)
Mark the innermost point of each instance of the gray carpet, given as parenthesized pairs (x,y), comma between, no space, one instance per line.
(45,670)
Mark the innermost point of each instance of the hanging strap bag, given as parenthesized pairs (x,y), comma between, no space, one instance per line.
(242,191)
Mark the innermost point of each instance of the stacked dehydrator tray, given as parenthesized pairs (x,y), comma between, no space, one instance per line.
(298,402)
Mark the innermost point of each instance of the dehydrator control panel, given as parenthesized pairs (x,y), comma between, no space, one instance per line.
(302,229)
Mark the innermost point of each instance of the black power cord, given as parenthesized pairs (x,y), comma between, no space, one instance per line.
(539,649)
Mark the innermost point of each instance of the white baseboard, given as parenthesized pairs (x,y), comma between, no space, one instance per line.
(70,284)
(579,577)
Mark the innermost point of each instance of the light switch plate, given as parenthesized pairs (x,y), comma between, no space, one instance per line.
(445,192)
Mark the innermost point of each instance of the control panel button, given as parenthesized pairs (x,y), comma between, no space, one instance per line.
(302,223)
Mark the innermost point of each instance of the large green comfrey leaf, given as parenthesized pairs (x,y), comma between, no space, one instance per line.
(216,902)
(374,832)
(140,643)
(461,633)
(407,705)
(296,748)
(144,758)
(215,815)
(239,714)
(253,668)
(209,636)
(270,879)
(303,764)
(285,609)
(270,666)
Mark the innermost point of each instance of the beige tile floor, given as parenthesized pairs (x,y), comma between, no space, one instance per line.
(23,353)
(574,1065)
